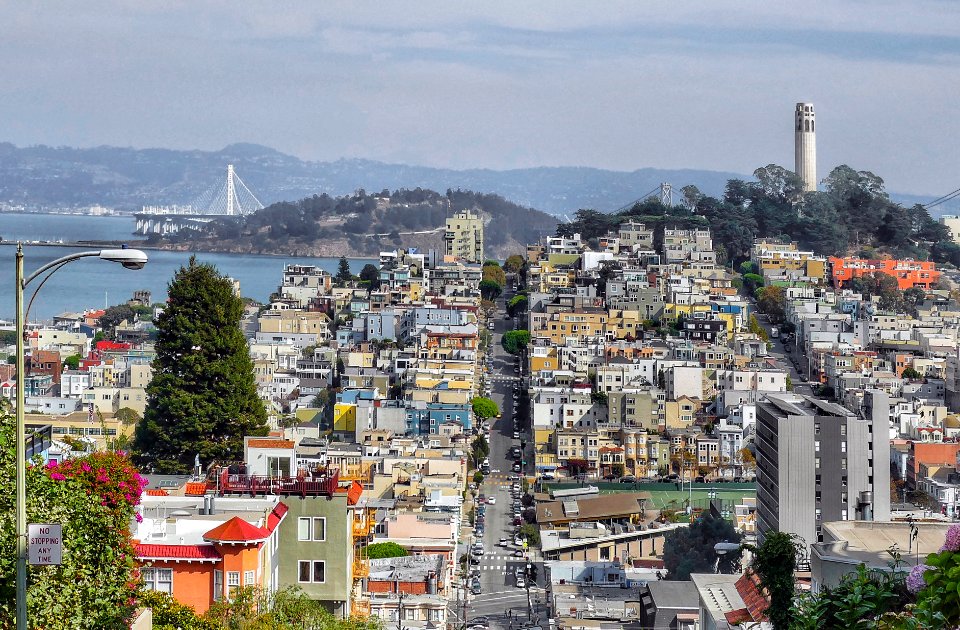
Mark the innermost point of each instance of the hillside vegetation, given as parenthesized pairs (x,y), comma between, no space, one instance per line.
(852,215)
(364,224)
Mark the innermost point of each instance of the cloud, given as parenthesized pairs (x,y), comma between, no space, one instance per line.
(619,85)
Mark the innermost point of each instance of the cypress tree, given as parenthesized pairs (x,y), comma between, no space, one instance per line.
(202,399)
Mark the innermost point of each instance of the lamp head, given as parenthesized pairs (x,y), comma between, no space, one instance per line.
(129,258)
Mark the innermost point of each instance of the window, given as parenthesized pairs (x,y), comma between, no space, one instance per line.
(249,578)
(312,529)
(312,571)
(217,585)
(158,580)
(843,447)
(233,582)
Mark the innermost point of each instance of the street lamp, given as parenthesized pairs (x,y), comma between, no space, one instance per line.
(130,259)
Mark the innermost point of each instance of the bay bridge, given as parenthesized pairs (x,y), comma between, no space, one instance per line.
(228,197)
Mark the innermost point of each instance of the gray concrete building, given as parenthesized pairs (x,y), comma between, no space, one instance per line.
(819,462)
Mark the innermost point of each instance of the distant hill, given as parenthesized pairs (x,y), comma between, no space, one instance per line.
(365,224)
(125,178)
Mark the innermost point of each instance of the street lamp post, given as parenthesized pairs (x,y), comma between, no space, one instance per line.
(130,259)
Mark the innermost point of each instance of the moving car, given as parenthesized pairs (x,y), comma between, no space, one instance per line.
(475,587)
(491,500)
(504,541)
(521,583)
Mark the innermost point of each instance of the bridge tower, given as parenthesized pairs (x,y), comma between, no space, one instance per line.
(666,194)
(231,192)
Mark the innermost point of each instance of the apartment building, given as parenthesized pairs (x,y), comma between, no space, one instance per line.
(818,462)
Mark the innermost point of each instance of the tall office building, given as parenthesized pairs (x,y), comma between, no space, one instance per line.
(805,145)
(819,462)
(464,237)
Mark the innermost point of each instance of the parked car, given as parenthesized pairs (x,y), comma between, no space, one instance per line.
(628,479)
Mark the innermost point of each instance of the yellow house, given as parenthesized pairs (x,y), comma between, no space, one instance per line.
(672,312)
(580,323)
(345,417)
(625,324)
(544,359)
(680,413)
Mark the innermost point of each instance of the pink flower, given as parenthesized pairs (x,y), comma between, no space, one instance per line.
(85,467)
(51,465)
(57,477)
(139,518)
(952,542)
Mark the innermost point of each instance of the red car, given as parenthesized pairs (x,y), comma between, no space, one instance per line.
(517,521)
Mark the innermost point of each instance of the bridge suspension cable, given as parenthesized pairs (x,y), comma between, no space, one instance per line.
(945,198)
(228,196)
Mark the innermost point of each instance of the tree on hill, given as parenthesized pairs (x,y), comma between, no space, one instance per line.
(691,549)
(772,301)
(386,550)
(202,399)
(485,408)
(343,272)
(114,315)
(370,274)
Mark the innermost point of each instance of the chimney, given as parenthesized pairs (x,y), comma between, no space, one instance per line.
(431,583)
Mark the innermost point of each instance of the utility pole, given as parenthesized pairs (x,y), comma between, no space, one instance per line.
(399,609)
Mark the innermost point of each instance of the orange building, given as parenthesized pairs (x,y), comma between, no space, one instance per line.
(199,571)
(908,273)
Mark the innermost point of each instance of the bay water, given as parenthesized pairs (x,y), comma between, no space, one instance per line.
(91,283)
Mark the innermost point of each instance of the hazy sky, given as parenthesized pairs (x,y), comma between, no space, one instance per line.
(621,85)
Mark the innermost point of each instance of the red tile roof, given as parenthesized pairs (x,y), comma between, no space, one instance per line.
(177,552)
(237,530)
(264,443)
(195,488)
(751,591)
(157,492)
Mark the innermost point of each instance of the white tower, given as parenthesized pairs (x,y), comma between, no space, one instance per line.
(232,192)
(806,146)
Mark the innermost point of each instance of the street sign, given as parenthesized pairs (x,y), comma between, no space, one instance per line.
(46,543)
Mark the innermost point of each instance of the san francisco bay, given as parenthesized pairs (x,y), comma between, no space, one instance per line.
(92,283)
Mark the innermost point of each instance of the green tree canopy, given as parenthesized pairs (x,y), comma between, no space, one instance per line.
(485,408)
(493,271)
(343,271)
(72,362)
(517,305)
(490,289)
(114,315)
(691,549)
(371,274)
(514,341)
(202,399)
(772,301)
(513,263)
(386,550)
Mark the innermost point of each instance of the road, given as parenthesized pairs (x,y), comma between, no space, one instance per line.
(501,604)
(788,358)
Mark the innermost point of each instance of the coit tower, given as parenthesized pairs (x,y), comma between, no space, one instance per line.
(806,145)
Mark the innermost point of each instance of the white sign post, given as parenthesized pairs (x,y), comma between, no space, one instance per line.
(46,543)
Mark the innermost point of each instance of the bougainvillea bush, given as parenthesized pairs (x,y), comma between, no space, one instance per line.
(93,497)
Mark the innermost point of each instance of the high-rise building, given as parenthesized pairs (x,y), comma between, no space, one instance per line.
(819,462)
(806,146)
(464,237)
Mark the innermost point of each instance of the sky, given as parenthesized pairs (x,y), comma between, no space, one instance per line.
(617,85)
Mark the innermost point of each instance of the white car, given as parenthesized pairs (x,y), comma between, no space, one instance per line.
(504,542)
(521,583)
(491,500)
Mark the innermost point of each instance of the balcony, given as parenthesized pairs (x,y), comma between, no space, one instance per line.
(361,528)
(360,608)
